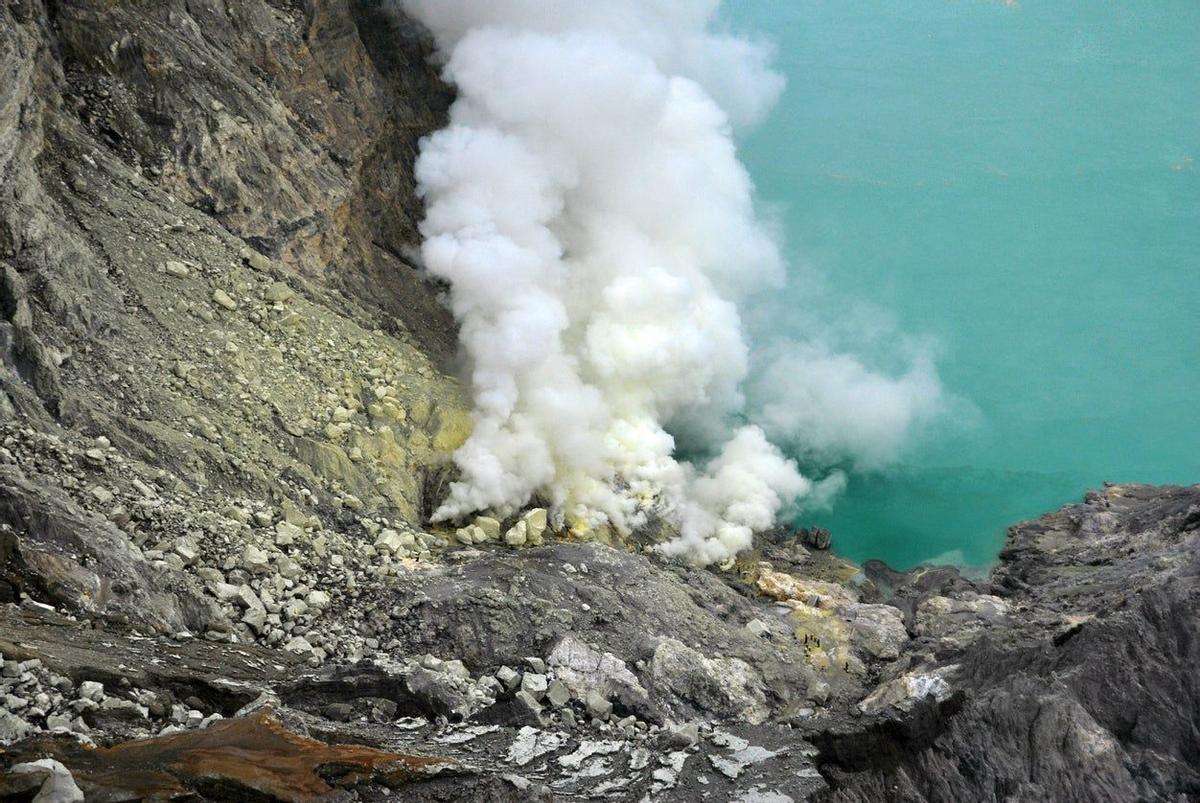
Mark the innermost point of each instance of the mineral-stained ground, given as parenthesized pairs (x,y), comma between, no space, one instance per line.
(227,403)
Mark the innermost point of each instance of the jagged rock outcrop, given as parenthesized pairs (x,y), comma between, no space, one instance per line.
(1069,675)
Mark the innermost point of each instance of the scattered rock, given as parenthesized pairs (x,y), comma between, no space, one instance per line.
(508,677)
(223,299)
(557,694)
(598,705)
(12,727)
(535,684)
(255,561)
(176,269)
(287,534)
(390,542)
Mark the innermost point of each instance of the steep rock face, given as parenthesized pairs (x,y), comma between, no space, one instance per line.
(1086,688)
(202,296)
(294,125)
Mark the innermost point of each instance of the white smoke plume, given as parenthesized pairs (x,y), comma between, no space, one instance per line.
(829,407)
(597,231)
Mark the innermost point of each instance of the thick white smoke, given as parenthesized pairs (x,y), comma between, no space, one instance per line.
(588,210)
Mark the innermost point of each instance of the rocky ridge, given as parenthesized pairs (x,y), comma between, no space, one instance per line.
(226,409)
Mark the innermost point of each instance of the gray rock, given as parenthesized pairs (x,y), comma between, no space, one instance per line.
(54,782)
(726,686)
(530,703)
(557,694)
(287,533)
(298,644)
(877,630)
(210,574)
(246,598)
(960,617)
(436,693)
(1043,707)
(682,736)
(254,560)
(598,705)
(224,300)
(294,609)
(12,727)
(289,568)
(583,669)
(535,684)
(256,618)
(816,538)
(508,677)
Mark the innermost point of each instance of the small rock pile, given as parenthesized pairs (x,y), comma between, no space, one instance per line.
(529,530)
(34,700)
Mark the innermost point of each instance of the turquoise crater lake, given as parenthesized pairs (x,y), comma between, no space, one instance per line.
(1020,182)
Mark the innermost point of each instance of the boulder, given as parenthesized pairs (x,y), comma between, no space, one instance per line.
(12,727)
(389,542)
(517,535)
(489,526)
(255,560)
(436,693)
(51,780)
(724,687)
(816,538)
(877,630)
(535,525)
(287,533)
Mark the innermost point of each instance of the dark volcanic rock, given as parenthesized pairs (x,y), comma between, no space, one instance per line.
(1086,690)
(507,605)
(57,552)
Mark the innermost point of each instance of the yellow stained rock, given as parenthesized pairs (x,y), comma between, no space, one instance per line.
(814,593)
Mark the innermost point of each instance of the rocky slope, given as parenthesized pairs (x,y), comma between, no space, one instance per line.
(226,405)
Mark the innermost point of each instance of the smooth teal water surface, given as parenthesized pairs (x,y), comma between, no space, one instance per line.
(1021,182)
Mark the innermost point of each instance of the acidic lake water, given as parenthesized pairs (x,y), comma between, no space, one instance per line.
(1021,182)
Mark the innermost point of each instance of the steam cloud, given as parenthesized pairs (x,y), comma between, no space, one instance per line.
(588,210)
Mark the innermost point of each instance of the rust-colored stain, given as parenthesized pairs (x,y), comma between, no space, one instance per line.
(255,753)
